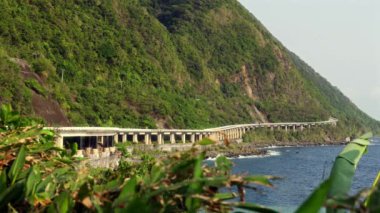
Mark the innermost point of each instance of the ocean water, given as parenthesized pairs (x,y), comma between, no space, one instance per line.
(301,170)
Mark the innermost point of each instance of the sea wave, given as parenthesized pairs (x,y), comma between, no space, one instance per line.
(276,147)
(270,153)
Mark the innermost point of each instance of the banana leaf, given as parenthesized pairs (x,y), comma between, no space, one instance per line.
(373,201)
(316,199)
(339,183)
(345,165)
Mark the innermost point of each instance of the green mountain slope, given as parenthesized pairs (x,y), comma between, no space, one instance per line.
(156,63)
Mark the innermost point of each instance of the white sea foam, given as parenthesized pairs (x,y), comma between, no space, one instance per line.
(270,153)
(275,147)
(211,159)
(274,153)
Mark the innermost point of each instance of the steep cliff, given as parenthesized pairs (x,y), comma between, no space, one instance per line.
(156,63)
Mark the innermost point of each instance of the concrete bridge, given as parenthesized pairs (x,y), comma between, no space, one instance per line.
(100,141)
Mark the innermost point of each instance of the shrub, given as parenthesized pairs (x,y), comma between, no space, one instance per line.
(43,66)
(36,87)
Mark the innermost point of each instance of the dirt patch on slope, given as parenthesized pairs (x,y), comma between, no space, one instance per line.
(248,89)
(247,83)
(49,110)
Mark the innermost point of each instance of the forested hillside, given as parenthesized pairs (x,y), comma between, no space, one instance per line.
(156,63)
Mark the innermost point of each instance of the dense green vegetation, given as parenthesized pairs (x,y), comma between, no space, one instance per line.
(149,63)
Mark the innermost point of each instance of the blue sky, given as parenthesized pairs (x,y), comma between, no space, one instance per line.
(340,39)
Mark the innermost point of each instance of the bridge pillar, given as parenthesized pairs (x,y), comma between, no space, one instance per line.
(135,138)
(301,127)
(147,139)
(272,128)
(116,138)
(159,138)
(59,142)
(100,140)
(172,138)
(214,136)
(192,139)
(286,128)
(200,136)
(124,137)
(308,126)
(183,137)
(294,128)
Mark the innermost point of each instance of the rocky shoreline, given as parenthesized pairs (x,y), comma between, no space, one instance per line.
(259,149)
(235,150)
(297,144)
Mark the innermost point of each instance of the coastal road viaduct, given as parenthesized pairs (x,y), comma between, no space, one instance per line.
(100,141)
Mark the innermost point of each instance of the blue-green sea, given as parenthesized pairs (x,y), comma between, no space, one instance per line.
(301,170)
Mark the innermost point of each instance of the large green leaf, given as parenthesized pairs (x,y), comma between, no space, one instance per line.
(373,201)
(45,185)
(157,173)
(12,193)
(127,193)
(63,203)
(8,118)
(223,163)
(345,165)
(34,178)
(316,200)
(193,204)
(260,179)
(17,165)
(3,180)
(225,196)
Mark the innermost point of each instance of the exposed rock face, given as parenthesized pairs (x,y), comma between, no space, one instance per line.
(43,107)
